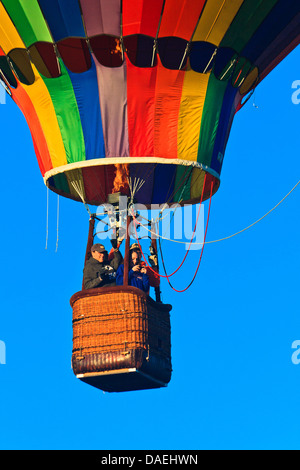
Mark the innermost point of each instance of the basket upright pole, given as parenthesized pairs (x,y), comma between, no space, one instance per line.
(127,246)
(154,246)
(90,241)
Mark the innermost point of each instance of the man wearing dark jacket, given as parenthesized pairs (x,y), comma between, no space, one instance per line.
(98,271)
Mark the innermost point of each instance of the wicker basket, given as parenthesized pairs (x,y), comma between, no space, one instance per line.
(121,339)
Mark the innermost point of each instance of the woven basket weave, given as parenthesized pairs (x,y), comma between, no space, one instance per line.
(119,327)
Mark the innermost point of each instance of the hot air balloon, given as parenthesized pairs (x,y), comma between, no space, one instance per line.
(135,97)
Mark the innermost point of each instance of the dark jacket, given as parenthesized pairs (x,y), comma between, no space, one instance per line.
(136,279)
(93,270)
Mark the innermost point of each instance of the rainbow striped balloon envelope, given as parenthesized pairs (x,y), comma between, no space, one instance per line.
(138,95)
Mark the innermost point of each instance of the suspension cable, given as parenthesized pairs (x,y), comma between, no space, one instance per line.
(200,258)
(136,222)
(229,236)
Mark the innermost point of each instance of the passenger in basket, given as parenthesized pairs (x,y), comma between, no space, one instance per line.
(98,270)
(137,275)
(154,279)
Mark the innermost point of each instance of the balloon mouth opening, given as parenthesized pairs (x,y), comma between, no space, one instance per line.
(147,183)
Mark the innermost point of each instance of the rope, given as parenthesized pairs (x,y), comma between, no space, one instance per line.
(47,220)
(135,186)
(136,222)
(78,186)
(57,224)
(259,220)
(200,258)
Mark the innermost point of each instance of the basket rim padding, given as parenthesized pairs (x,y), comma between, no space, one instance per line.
(119,289)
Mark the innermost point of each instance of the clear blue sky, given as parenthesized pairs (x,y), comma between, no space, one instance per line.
(234,385)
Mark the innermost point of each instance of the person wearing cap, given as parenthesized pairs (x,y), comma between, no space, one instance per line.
(98,270)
